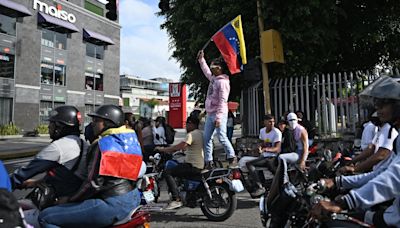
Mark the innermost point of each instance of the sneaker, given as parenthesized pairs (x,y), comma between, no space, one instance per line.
(257,193)
(233,163)
(174,205)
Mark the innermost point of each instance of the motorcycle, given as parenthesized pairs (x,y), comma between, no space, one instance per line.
(213,191)
(290,204)
(138,217)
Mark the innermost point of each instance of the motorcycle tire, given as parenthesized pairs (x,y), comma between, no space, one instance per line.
(207,204)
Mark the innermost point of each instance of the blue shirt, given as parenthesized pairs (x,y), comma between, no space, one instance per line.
(4,178)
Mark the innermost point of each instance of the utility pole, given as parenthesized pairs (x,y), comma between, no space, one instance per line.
(264,68)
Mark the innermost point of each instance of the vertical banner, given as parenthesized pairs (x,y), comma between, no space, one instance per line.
(177,105)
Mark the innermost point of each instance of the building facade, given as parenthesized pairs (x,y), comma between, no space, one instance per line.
(56,52)
(136,93)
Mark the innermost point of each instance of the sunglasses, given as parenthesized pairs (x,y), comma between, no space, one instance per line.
(215,66)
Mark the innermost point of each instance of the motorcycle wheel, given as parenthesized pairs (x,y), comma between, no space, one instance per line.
(221,206)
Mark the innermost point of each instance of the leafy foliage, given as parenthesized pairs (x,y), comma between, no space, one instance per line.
(9,129)
(318,36)
(42,129)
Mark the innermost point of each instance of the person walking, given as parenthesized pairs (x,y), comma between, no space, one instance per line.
(217,109)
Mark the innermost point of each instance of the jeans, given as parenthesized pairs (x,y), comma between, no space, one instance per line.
(183,170)
(229,133)
(209,129)
(262,161)
(91,212)
(288,158)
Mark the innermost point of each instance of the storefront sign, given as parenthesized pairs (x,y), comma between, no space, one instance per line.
(177,105)
(54,11)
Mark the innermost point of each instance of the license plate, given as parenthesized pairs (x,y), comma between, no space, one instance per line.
(148,196)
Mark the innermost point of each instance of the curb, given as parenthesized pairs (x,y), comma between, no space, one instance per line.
(19,154)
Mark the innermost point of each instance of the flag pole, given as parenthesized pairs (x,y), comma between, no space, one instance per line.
(206,44)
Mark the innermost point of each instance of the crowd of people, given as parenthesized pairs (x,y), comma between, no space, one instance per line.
(93,182)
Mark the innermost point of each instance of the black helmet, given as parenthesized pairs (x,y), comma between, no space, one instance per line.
(110,112)
(68,115)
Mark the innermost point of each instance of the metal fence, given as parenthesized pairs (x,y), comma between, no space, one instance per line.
(330,101)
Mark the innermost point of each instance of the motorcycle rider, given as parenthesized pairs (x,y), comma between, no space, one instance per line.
(194,159)
(109,193)
(378,153)
(271,147)
(381,184)
(301,138)
(61,159)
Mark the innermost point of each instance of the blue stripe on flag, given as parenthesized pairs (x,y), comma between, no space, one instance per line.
(127,143)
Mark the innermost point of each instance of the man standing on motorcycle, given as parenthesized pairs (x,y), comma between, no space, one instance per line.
(382,184)
(271,147)
(194,159)
(109,193)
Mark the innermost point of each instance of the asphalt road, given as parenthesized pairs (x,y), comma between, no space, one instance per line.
(246,214)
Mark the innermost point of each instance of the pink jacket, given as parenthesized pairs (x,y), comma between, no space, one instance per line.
(218,92)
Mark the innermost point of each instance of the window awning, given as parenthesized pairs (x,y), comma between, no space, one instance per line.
(96,38)
(56,24)
(14,9)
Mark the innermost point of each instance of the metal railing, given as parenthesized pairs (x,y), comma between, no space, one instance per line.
(329,101)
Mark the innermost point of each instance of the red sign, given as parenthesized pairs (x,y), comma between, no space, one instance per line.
(177,105)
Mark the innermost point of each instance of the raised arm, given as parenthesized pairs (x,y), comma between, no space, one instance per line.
(203,65)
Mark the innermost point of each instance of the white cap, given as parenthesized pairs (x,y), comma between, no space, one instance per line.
(291,116)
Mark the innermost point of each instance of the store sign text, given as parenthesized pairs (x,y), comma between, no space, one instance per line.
(54,11)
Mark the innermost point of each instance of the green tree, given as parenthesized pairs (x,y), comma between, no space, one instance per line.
(317,35)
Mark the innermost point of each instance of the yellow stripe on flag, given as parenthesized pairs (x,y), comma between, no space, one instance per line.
(237,25)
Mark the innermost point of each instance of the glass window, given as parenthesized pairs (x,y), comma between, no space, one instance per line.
(88,109)
(7,25)
(6,65)
(61,40)
(54,39)
(5,110)
(90,50)
(89,80)
(46,72)
(99,52)
(59,74)
(95,51)
(98,81)
(47,38)
(44,111)
(94,8)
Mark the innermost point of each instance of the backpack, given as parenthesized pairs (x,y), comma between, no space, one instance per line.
(169,134)
(288,144)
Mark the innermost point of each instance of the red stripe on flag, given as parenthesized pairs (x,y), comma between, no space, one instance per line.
(228,53)
(120,165)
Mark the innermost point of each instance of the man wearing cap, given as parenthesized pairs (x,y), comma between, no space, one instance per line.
(301,138)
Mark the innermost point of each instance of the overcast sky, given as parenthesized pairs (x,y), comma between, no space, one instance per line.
(144,46)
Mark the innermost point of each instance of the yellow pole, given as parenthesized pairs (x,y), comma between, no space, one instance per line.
(264,69)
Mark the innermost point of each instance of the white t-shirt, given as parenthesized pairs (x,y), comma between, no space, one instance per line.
(382,140)
(368,134)
(269,139)
(66,151)
(160,139)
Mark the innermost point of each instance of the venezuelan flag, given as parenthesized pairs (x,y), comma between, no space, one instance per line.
(121,154)
(230,42)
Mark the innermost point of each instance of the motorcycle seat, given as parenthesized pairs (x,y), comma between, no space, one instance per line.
(128,217)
